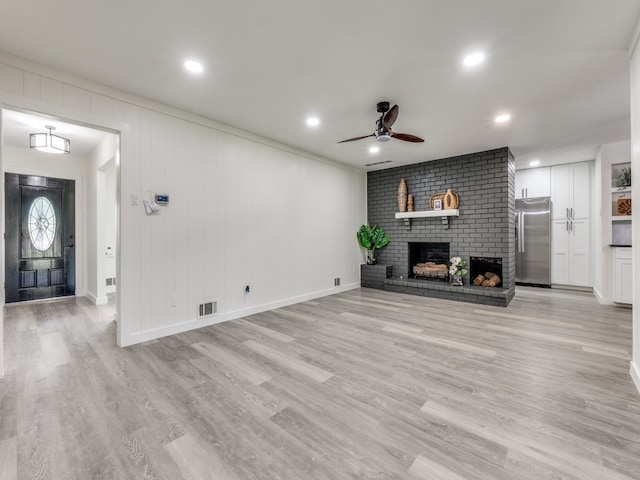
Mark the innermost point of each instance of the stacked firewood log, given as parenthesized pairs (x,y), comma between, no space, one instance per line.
(487,280)
(431,269)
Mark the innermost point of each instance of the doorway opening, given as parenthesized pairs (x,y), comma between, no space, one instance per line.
(88,251)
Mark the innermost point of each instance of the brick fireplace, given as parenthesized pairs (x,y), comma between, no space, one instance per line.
(484,229)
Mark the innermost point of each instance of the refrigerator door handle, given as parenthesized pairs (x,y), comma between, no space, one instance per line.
(521,232)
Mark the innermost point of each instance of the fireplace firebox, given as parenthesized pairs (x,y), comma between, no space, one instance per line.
(435,255)
(482,265)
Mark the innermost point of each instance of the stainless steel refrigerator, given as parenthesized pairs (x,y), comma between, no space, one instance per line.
(533,241)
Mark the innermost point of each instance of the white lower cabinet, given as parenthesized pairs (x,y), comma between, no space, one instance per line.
(623,276)
(570,252)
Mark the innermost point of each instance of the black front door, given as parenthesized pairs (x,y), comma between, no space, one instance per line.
(39,243)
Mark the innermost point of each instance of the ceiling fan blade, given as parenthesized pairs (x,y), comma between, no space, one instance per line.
(406,137)
(390,117)
(357,138)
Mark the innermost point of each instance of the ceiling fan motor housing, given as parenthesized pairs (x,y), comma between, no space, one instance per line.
(383,107)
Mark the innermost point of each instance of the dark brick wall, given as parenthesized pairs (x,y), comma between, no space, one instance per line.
(485,183)
(373,276)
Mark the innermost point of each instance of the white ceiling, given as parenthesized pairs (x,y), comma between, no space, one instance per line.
(560,67)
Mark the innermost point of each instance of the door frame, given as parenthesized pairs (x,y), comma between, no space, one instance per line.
(18,102)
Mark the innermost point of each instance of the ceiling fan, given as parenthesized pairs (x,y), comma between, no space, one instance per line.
(383,131)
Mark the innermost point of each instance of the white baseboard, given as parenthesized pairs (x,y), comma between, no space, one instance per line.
(635,375)
(601,299)
(127,340)
(97,300)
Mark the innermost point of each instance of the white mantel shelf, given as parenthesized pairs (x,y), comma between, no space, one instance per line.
(428,213)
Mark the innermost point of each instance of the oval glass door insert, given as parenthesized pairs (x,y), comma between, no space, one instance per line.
(42,223)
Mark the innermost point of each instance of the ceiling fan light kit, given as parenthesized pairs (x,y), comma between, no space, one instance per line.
(383,132)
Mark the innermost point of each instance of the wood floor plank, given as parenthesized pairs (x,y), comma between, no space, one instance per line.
(288,361)
(425,469)
(362,384)
(197,462)
(9,459)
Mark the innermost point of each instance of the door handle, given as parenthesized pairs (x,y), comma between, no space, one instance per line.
(567,225)
(522,232)
(71,245)
(572,215)
(567,215)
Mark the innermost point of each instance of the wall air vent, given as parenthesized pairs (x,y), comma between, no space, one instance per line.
(207,309)
(377,163)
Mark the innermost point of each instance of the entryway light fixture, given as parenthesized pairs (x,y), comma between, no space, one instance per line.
(50,143)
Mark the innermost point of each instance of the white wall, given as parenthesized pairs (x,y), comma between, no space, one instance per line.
(609,154)
(635,192)
(109,212)
(105,154)
(244,210)
(71,167)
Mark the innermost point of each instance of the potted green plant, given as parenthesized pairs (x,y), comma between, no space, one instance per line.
(371,238)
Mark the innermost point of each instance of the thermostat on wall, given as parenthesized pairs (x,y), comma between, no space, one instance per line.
(162,199)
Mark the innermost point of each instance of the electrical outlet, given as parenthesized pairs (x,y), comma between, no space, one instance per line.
(135,199)
(172,300)
(247,289)
(336,282)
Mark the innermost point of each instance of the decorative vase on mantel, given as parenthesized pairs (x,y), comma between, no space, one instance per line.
(457,280)
(402,196)
(450,200)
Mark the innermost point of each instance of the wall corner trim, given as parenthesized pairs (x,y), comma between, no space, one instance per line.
(635,375)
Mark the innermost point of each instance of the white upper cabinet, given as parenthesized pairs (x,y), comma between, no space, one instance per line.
(534,182)
(571,190)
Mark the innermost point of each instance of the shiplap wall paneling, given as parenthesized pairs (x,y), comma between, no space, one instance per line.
(154,168)
(31,84)
(242,212)
(131,221)
(211,247)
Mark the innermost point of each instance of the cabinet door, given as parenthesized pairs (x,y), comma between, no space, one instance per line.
(560,191)
(580,253)
(537,182)
(560,252)
(581,190)
(519,184)
(623,282)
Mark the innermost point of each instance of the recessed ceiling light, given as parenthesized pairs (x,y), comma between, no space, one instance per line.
(474,59)
(534,163)
(313,121)
(193,66)
(374,149)
(505,117)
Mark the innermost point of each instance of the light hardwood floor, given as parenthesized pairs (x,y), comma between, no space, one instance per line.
(364,384)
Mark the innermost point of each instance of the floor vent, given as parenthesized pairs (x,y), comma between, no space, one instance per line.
(208,308)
